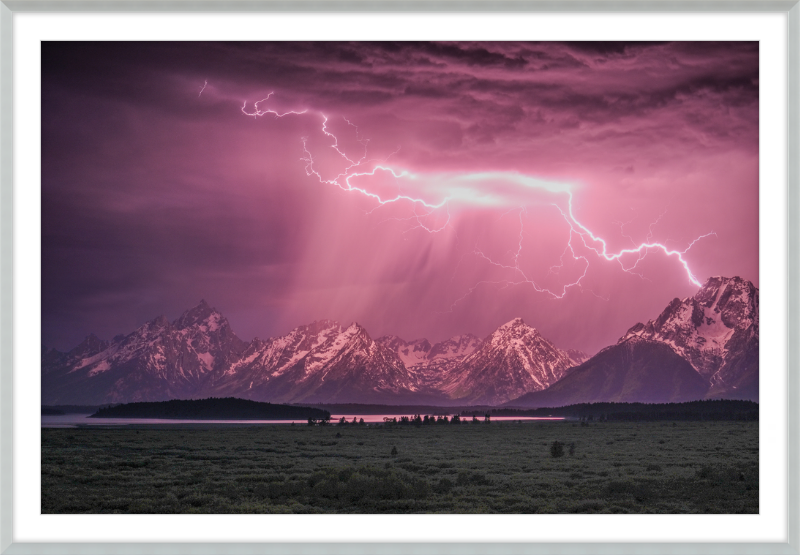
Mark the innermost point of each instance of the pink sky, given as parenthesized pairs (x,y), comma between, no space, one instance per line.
(156,194)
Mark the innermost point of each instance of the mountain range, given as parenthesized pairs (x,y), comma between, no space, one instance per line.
(704,346)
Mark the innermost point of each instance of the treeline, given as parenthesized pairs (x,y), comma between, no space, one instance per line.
(54,410)
(416,420)
(228,408)
(718,409)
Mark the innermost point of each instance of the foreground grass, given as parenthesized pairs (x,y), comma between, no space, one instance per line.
(654,467)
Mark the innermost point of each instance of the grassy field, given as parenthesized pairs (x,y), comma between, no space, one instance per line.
(608,467)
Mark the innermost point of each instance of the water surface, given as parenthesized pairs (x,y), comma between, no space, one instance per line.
(74,420)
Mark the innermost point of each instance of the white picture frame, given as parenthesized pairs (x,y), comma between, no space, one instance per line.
(11,302)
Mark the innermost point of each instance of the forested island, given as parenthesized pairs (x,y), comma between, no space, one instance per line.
(228,408)
(60,410)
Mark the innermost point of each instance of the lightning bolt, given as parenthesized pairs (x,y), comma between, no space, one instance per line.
(599,245)
(509,189)
(259,112)
(203,88)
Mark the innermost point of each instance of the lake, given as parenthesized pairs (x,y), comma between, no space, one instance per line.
(73,420)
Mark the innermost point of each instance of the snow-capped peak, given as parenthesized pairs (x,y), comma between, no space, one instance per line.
(516,328)
(89,346)
(200,314)
(716,330)
(516,322)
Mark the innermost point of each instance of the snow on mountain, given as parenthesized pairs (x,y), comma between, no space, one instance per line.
(717,332)
(198,355)
(318,363)
(576,356)
(158,361)
(429,364)
(513,360)
(633,370)
(411,353)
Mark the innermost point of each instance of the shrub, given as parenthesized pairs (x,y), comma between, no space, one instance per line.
(557,449)
(472,478)
(705,472)
(444,486)
(394,451)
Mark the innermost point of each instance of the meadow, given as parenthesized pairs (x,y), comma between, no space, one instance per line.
(502,467)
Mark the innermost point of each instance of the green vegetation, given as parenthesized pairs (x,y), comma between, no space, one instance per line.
(716,409)
(71,409)
(606,467)
(228,408)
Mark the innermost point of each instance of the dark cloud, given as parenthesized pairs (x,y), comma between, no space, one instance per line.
(155,195)
(611,47)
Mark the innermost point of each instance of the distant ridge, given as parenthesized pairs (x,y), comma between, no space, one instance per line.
(636,370)
(701,347)
(228,408)
(713,409)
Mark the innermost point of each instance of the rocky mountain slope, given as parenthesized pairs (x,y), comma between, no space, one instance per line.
(199,356)
(431,365)
(513,360)
(318,363)
(159,361)
(714,334)
(716,330)
(634,370)
(705,346)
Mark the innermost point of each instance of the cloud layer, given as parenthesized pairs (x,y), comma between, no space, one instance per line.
(157,190)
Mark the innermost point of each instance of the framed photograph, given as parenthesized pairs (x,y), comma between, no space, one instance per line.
(525,185)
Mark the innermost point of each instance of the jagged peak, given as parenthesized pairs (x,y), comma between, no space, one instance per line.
(91,343)
(325,323)
(356,327)
(577,354)
(635,329)
(392,340)
(515,322)
(727,279)
(632,342)
(515,326)
(464,337)
(715,282)
(200,313)
(634,339)
(356,330)
(318,326)
(720,291)
(159,321)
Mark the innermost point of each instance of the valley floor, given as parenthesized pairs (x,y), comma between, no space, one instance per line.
(606,467)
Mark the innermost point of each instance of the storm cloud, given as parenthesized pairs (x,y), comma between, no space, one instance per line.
(157,190)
